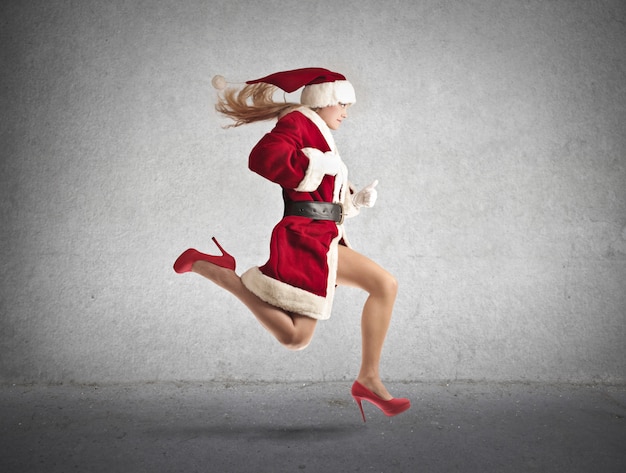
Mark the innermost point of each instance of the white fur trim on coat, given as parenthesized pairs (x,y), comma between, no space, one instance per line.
(294,299)
(321,125)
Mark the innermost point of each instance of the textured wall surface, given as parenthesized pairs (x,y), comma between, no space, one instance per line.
(495,127)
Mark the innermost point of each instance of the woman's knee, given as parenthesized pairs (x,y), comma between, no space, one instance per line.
(386,285)
(300,337)
(296,342)
(298,346)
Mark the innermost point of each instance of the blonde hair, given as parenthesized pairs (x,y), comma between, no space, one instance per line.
(252,103)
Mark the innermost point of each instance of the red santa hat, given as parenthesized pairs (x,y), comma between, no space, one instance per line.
(322,87)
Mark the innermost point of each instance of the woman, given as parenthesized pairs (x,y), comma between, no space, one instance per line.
(309,252)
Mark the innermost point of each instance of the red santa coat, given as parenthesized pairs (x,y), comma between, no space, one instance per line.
(301,272)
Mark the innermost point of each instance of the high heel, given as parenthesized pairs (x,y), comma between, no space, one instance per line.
(189,257)
(390,408)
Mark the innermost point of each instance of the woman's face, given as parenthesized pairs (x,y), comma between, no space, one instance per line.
(334,115)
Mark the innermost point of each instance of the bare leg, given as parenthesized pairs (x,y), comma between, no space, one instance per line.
(359,271)
(292,330)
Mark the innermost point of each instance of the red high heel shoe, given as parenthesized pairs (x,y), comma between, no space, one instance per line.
(390,408)
(189,257)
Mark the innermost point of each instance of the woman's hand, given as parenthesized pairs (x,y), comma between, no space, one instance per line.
(366,197)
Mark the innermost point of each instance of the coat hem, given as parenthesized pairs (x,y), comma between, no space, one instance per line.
(286,296)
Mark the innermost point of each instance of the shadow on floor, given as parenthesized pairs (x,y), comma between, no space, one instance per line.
(212,427)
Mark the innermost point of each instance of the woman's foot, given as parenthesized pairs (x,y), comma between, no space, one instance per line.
(376,386)
(223,277)
(390,407)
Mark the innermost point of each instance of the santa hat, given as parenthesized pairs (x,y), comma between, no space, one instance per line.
(322,87)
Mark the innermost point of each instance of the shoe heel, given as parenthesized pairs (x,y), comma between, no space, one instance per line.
(360,404)
(224,252)
(226,260)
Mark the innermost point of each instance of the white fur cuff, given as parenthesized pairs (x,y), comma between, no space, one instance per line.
(316,170)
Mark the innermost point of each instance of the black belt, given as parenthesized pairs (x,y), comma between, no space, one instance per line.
(315,210)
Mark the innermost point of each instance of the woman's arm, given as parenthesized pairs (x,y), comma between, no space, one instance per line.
(282,157)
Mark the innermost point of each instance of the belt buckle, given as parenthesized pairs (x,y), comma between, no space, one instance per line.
(341,218)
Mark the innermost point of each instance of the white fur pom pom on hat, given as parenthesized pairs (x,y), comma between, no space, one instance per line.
(219,82)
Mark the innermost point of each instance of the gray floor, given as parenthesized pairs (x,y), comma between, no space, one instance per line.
(217,427)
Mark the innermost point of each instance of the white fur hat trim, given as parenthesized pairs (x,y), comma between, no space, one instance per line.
(327,94)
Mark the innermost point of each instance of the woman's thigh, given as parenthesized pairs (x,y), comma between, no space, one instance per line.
(356,270)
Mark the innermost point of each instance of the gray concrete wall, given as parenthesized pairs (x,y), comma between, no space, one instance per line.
(495,128)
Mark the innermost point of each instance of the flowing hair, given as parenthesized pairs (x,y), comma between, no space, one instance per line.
(252,103)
